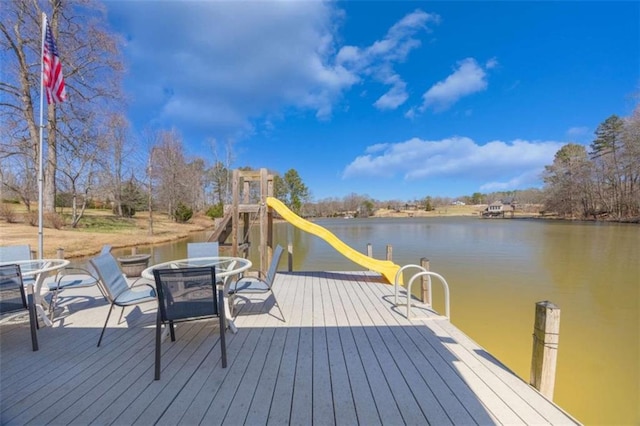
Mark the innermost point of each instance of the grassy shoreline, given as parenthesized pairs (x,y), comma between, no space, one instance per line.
(101,227)
(89,240)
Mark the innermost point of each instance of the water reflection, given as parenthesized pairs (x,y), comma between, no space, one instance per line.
(595,269)
(498,270)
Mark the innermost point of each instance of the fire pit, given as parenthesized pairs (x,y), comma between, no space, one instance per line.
(133,265)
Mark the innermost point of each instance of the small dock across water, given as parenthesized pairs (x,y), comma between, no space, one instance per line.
(345,355)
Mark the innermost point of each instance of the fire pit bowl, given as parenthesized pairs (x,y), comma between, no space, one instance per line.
(133,265)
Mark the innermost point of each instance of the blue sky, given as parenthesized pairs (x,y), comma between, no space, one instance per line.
(396,100)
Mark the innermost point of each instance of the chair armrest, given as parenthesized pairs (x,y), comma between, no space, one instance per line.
(71,270)
(141,281)
(137,285)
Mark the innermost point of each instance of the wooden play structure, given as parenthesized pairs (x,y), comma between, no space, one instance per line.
(257,200)
(250,189)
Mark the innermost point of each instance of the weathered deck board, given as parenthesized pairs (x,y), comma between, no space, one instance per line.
(344,355)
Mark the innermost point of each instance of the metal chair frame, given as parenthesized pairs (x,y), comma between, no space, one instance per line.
(176,290)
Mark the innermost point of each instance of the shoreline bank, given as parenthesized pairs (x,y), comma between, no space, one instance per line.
(82,242)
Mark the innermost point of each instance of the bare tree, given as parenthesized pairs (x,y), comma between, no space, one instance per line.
(169,170)
(195,172)
(631,161)
(117,150)
(219,175)
(77,164)
(91,68)
(605,152)
(567,180)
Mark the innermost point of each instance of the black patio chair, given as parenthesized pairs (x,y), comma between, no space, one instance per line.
(186,294)
(13,297)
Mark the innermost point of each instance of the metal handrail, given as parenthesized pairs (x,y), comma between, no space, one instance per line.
(427,274)
(397,281)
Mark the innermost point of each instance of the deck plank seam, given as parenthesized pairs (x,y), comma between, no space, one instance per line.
(420,360)
(363,401)
(381,390)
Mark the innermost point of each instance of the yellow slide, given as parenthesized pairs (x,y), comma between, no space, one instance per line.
(387,268)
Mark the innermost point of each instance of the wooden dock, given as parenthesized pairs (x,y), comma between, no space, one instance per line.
(345,355)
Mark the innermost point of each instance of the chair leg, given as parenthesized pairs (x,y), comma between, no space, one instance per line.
(105,324)
(223,330)
(172,330)
(278,305)
(158,343)
(121,314)
(52,306)
(232,307)
(33,323)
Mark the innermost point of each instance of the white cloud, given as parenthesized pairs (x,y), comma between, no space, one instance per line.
(379,147)
(222,65)
(524,180)
(377,60)
(468,78)
(578,131)
(395,97)
(497,163)
(411,113)
(491,63)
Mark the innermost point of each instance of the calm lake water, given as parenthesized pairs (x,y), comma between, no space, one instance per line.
(497,270)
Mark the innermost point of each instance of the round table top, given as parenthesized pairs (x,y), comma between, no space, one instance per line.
(31,267)
(220,262)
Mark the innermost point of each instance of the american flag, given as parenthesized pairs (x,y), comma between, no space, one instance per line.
(52,70)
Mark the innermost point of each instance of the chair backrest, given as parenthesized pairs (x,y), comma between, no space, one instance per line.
(111,277)
(15,253)
(273,267)
(207,249)
(12,296)
(186,293)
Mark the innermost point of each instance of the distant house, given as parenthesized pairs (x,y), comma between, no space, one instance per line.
(458,203)
(495,207)
(499,208)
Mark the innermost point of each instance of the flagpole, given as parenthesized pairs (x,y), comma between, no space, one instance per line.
(40,155)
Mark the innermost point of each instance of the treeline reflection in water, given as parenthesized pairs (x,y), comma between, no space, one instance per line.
(497,270)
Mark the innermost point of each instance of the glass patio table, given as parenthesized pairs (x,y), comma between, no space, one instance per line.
(35,271)
(226,267)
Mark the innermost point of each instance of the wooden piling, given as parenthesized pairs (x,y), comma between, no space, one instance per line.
(426,290)
(545,347)
(235,218)
(266,248)
(389,252)
(60,253)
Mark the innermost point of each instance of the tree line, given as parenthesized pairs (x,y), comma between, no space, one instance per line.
(93,159)
(602,182)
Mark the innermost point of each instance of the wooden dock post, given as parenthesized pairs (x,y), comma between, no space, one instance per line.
(235,212)
(545,347)
(426,291)
(389,252)
(266,241)
(369,250)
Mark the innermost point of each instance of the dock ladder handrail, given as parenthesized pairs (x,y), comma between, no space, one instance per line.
(424,273)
